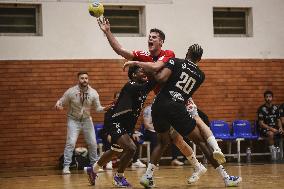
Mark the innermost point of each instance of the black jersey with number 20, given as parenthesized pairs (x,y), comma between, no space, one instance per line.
(185,79)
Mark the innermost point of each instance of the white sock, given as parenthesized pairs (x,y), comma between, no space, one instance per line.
(213,143)
(271,147)
(96,167)
(150,170)
(222,172)
(192,160)
(120,174)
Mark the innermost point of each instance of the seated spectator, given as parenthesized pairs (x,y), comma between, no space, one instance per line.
(281,111)
(269,120)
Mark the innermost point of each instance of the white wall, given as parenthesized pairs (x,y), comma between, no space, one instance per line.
(69,32)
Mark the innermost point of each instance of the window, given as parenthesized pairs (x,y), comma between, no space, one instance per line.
(232,21)
(126,20)
(20,19)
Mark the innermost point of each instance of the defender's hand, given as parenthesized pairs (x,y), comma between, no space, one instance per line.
(129,64)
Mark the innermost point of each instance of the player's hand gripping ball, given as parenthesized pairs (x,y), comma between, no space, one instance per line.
(96,9)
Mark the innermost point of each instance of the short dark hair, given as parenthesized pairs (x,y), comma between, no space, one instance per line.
(160,32)
(132,70)
(81,73)
(194,52)
(267,92)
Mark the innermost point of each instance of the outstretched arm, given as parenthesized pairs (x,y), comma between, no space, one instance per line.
(163,75)
(157,69)
(147,66)
(105,27)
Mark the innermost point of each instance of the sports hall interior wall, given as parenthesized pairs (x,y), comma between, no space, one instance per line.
(32,133)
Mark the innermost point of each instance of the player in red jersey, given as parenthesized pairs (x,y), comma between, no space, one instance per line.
(157,55)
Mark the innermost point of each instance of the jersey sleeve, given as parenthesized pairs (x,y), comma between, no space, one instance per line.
(167,56)
(170,64)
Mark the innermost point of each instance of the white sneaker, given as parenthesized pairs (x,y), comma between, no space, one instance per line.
(176,162)
(232,181)
(197,172)
(138,164)
(66,170)
(219,156)
(109,166)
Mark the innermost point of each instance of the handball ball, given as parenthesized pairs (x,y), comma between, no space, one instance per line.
(96,9)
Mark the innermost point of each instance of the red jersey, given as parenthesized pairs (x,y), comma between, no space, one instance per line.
(143,56)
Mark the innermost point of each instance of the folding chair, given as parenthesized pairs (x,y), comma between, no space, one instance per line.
(243,129)
(221,132)
(99,127)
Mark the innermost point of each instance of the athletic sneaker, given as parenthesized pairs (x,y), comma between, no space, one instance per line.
(91,175)
(138,164)
(147,182)
(219,156)
(120,182)
(66,170)
(197,172)
(232,181)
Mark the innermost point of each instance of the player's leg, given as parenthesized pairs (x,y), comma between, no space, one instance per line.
(129,148)
(163,142)
(270,138)
(202,122)
(196,137)
(210,139)
(103,160)
(198,168)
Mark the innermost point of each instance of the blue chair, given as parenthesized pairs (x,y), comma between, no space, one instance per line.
(99,127)
(242,129)
(221,130)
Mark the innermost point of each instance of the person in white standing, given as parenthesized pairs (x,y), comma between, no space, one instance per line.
(79,99)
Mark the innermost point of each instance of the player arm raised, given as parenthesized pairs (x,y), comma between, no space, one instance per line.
(163,75)
(149,67)
(105,27)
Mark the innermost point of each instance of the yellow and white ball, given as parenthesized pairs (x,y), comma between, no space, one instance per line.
(96,9)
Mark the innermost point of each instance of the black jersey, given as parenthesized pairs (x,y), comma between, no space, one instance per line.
(132,98)
(268,115)
(185,79)
(281,110)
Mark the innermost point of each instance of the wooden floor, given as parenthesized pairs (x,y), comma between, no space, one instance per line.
(254,176)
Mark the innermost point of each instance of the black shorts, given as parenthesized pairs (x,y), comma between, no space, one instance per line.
(120,125)
(167,113)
